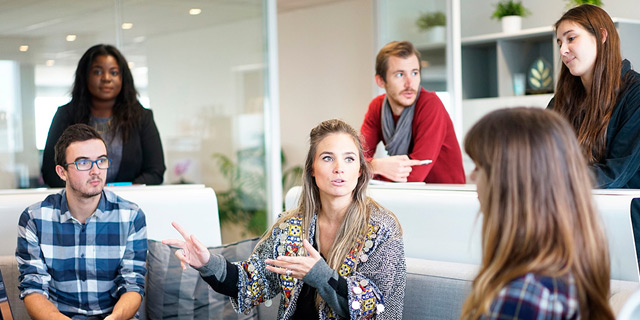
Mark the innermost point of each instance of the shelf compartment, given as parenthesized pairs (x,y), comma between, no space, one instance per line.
(479,71)
(517,56)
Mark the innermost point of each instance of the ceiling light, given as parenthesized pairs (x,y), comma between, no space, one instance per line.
(23,48)
(127,25)
(195,11)
(71,37)
(50,63)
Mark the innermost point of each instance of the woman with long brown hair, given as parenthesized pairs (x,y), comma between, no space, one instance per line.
(544,252)
(599,94)
(337,255)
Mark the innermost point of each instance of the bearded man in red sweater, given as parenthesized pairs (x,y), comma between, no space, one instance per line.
(411,122)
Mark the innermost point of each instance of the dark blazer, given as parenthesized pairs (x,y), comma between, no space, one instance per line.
(620,168)
(142,155)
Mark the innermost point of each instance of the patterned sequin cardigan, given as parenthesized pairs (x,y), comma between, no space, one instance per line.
(376,275)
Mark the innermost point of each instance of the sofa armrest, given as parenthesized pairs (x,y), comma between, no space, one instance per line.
(10,273)
(620,293)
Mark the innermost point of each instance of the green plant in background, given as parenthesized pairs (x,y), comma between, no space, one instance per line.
(290,177)
(510,8)
(245,202)
(575,3)
(429,20)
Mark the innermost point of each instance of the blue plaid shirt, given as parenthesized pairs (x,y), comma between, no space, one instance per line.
(82,268)
(536,297)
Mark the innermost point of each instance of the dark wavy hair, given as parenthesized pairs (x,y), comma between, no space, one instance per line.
(127,111)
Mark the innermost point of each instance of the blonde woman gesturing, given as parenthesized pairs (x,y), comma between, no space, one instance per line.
(337,255)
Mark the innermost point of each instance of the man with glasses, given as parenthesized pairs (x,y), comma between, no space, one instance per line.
(81,252)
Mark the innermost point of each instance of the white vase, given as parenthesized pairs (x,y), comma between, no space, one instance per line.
(511,24)
(436,34)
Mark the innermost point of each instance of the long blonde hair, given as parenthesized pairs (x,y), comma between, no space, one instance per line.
(356,219)
(537,209)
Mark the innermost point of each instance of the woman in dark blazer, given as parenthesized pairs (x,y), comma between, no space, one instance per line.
(104,96)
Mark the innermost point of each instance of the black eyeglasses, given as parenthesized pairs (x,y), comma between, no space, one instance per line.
(86,164)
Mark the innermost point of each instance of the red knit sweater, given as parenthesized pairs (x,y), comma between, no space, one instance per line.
(433,138)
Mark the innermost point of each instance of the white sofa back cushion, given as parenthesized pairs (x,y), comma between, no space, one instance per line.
(193,206)
(440,222)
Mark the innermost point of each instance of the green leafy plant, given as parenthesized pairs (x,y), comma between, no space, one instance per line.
(510,8)
(429,20)
(574,3)
(245,202)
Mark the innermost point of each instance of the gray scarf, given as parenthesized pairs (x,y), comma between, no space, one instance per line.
(397,137)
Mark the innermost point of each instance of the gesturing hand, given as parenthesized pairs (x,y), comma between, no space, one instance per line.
(192,251)
(298,267)
(395,168)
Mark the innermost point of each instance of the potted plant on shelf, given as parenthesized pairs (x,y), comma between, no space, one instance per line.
(575,3)
(434,23)
(510,13)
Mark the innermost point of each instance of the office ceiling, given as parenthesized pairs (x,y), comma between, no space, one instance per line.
(44,24)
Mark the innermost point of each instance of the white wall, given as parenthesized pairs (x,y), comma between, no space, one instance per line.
(326,62)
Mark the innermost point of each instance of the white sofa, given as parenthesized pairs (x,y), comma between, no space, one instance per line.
(435,290)
(442,243)
(440,222)
(193,206)
(436,287)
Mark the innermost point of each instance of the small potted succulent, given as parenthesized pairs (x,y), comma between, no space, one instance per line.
(510,13)
(434,24)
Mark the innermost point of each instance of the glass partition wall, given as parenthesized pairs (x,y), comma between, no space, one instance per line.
(201,66)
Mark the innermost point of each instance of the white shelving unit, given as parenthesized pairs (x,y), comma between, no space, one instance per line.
(490,61)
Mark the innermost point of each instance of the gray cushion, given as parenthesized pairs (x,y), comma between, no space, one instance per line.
(435,289)
(173,293)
